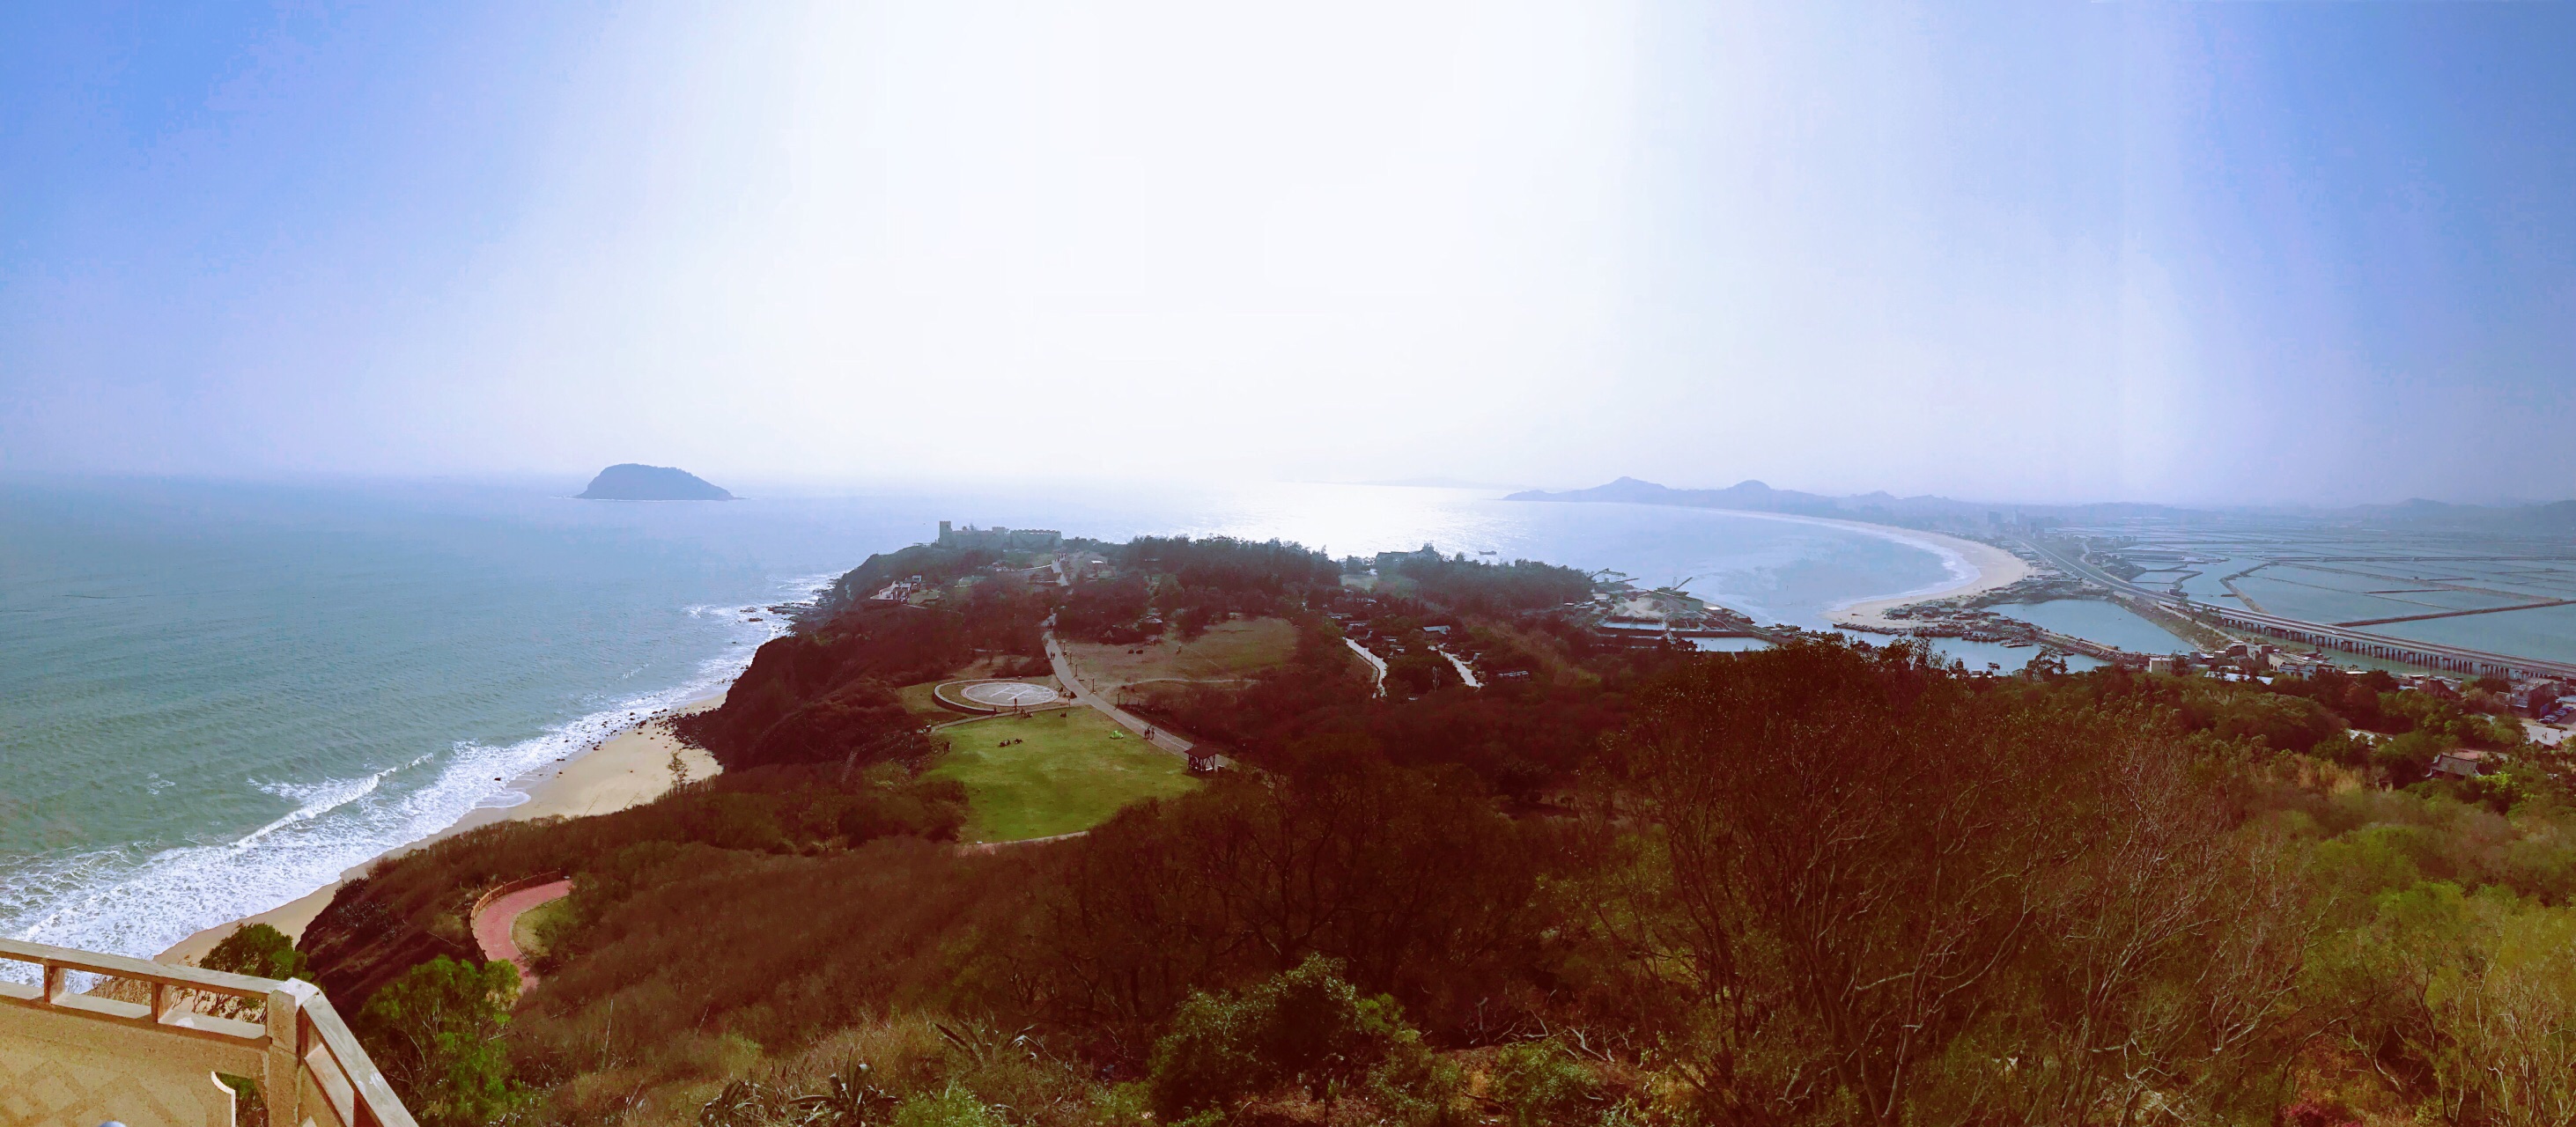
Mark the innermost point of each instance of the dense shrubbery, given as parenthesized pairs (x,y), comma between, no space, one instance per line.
(2372,701)
(1221,563)
(1190,584)
(937,566)
(1540,1084)
(1813,885)
(1304,1029)
(1473,587)
(1880,892)
(260,951)
(436,1033)
(2476,989)
(683,954)
(412,908)
(1104,610)
(1412,881)
(1520,737)
(825,695)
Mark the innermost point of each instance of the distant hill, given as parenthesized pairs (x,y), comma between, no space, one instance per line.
(632,482)
(1943,513)
(1877,508)
(1752,495)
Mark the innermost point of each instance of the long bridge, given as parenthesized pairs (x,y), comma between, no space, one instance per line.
(2431,655)
(2411,651)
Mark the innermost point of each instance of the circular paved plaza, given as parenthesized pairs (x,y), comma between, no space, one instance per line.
(1009,694)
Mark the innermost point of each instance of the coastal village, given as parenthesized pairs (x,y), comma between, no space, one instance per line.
(1624,612)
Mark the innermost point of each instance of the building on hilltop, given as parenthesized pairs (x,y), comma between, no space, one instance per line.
(1000,539)
(2460,763)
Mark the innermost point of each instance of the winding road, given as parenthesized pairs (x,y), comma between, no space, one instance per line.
(1083,695)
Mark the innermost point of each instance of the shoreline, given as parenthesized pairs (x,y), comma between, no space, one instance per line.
(629,768)
(1994,569)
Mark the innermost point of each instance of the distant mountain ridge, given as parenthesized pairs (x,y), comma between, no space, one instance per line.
(1741,495)
(631,481)
(1754,496)
(1942,512)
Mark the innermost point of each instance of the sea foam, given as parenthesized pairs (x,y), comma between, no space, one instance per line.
(130,902)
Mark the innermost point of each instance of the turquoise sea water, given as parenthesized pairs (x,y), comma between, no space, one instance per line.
(2099,621)
(217,697)
(1984,657)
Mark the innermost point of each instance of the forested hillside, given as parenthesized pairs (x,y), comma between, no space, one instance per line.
(1814,885)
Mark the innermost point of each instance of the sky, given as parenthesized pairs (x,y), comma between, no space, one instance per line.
(2192,253)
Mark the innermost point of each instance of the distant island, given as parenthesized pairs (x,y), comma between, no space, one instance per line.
(633,482)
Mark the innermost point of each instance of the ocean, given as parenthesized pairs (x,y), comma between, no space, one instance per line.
(215,697)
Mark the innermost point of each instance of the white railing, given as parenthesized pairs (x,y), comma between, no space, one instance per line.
(72,1059)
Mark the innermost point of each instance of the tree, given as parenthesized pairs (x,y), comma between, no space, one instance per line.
(1306,1028)
(1847,857)
(1859,863)
(2476,989)
(261,951)
(1540,1084)
(436,1034)
(1418,889)
(2157,975)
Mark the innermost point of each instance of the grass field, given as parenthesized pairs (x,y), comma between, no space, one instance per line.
(528,930)
(1070,771)
(1228,651)
(917,701)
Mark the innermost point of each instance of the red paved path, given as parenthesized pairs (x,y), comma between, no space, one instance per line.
(492,924)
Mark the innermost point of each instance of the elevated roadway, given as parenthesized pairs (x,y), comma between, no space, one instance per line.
(2431,655)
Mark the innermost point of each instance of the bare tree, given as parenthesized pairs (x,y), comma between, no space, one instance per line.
(1886,890)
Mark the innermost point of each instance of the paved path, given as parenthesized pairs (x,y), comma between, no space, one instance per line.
(1464,673)
(492,924)
(1082,694)
(972,848)
(1375,662)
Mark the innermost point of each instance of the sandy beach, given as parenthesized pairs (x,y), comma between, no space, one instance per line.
(1995,568)
(628,769)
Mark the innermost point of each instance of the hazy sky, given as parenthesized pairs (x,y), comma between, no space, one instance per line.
(2060,251)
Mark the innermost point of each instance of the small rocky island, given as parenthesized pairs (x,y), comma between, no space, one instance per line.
(632,482)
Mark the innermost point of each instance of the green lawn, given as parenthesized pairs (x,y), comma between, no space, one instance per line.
(528,931)
(918,701)
(1071,769)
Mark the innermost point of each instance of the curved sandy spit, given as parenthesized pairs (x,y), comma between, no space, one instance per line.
(1975,568)
(1985,567)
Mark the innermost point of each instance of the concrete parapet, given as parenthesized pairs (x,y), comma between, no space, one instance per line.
(70,1059)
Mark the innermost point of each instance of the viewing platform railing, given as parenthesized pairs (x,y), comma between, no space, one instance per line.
(81,1059)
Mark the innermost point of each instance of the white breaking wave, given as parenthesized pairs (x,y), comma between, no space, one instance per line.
(110,900)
